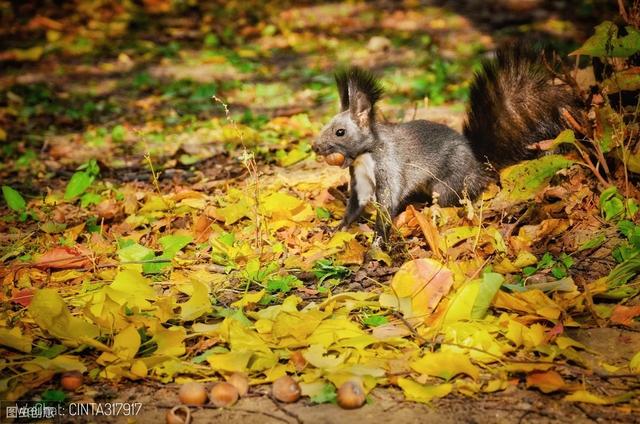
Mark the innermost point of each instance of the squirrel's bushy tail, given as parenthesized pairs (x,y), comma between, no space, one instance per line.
(513,104)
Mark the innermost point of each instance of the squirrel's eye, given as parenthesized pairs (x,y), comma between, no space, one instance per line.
(340,132)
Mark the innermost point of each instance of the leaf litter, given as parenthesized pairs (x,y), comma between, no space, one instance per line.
(181,277)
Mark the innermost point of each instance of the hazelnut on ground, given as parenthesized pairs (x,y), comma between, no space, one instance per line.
(223,394)
(286,389)
(193,393)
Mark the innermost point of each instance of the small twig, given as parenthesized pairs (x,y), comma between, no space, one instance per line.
(208,406)
(285,410)
(154,176)
(572,121)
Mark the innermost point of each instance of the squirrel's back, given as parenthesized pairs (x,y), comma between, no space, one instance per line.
(512,105)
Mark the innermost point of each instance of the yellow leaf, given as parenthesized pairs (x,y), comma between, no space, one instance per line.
(230,362)
(445,365)
(241,338)
(608,367)
(634,364)
(105,312)
(531,301)
(564,342)
(234,212)
(467,388)
(50,312)
(525,259)
(527,367)
(261,361)
(586,397)
(131,288)
(170,341)
(425,282)
(15,339)
(298,325)
(422,393)
(378,254)
(249,299)
(315,355)
(333,330)
(462,303)
(478,336)
(126,343)
(3,134)
(139,369)
(156,203)
(521,335)
(359,342)
(263,326)
(495,385)
(60,363)
(339,239)
(280,205)
(198,304)
(65,275)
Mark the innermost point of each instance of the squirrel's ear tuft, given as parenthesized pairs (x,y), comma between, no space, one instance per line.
(365,83)
(364,91)
(342,82)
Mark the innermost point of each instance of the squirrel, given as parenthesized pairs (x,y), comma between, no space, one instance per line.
(512,106)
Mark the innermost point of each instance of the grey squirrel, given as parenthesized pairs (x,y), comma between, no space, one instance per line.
(512,106)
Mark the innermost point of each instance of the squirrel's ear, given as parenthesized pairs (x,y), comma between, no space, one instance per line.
(342,82)
(364,91)
(360,109)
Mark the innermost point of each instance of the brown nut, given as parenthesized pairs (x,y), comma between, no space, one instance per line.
(178,415)
(223,394)
(240,381)
(193,393)
(286,389)
(71,380)
(351,395)
(335,159)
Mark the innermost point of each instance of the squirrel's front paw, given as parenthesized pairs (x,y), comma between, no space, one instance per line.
(342,226)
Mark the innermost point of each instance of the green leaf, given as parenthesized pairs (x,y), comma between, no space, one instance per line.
(611,204)
(593,243)
(327,395)
(490,285)
(172,244)
(606,43)
(282,284)
(566,260)
(323,214)
(135,253)
(118,133)
(227,239)
(14,199)
(375,320)
(79,183)
(523,181)
(88,199)
(546,261)
(53,396)
(559,272)
(625,80)
(324,269)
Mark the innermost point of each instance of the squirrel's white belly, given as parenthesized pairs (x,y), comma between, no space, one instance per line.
(365,178)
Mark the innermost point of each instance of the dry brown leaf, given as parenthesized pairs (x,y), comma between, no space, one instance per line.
(547,381)
(64,258)
(624,315)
